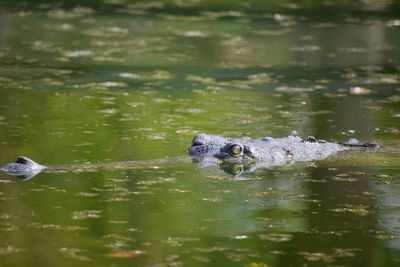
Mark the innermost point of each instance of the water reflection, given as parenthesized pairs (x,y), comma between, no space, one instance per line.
(24,175)
(345,192)
(263,40)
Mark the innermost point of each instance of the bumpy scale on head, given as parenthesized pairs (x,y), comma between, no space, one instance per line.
(204,145)
(277,150)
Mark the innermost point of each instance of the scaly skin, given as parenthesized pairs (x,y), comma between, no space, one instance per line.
(23,167)
(275,151)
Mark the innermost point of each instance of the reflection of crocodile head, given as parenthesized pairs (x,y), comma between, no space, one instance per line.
(209,150)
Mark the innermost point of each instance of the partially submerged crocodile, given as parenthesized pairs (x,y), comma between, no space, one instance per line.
(211,150)
(265,152)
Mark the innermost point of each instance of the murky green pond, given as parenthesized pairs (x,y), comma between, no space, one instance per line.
(119,80)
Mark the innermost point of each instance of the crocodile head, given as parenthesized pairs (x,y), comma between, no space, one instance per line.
(206,146)
(23,167)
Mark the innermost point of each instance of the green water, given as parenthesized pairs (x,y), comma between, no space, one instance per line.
(92,81)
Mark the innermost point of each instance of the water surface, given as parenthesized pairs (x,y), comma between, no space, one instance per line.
(128,80)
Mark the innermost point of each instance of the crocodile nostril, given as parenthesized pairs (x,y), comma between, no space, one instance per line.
(198,142)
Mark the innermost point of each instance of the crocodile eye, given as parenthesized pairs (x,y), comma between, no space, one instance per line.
(235,150)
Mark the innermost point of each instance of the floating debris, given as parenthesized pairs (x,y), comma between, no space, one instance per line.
(155,75)
(381,235)
(240,237)
(64,27)
(7,216)
(56,227)
(317,256)
(256,264)
(276,237)
(52,82)
(191,110)
(178,190)
(357,90)
(301,197)
(86,194)
(305,48)
(290,89)
(216,15)
(344,177)
(128,75)
(136,104)
(201,259)
(109,111)
(396,115)
(145,5)
(215,199)
(204,80)
(9,250)
(373,78)
(125,254)
(86,214)
(259,78)
(195,34)
(186,3)
(114,84)
(156,136)
(388,179)
(78,53)
(393,23)
(70,14)
(73,253)
(117,199)
(357,210)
